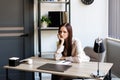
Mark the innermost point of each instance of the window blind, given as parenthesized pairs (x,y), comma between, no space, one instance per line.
(114,19)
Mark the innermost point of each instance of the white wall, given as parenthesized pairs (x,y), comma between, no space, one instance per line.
(88,21)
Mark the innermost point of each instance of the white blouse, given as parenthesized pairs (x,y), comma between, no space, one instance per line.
(76,50)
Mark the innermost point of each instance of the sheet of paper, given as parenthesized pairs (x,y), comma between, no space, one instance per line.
(64,62)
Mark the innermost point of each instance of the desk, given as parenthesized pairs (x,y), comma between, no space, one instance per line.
(83,69)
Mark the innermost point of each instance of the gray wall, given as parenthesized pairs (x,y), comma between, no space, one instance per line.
(113,55)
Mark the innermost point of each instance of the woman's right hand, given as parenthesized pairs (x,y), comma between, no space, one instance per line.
(62,40)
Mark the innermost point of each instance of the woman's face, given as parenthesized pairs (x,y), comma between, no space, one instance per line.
(63,32)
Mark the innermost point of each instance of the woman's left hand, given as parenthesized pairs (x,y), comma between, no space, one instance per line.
(62,58)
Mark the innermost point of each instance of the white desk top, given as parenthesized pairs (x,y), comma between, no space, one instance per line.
(83,69)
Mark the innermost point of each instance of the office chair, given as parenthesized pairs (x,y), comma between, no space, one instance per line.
(93,55)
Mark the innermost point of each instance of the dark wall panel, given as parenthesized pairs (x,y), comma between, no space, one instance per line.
(9,47)
(18,14)
(11,12)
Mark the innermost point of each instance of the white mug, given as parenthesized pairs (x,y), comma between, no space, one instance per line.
(29,61)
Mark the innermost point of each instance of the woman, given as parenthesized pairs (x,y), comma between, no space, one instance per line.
(68,48)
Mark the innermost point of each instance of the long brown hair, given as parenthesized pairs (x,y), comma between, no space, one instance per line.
(68,42)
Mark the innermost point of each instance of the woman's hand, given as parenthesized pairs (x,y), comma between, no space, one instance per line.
(62,58)
(62,40)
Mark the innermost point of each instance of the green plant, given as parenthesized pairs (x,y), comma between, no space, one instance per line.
(45,19)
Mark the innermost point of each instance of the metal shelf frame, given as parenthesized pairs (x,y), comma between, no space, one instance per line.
(67,8)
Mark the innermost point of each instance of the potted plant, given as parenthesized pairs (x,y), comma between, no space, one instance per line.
(45,21)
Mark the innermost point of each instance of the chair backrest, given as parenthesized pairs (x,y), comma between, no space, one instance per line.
(93,55)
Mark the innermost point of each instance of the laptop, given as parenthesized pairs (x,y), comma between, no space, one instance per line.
(54,67)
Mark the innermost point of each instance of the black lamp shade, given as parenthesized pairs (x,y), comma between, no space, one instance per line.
(99,46)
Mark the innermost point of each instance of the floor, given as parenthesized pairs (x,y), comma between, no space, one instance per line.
(48,77)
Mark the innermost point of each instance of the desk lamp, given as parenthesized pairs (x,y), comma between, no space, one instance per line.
(98,48)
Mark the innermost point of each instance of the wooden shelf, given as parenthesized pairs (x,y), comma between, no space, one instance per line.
(54,1)
(50,28)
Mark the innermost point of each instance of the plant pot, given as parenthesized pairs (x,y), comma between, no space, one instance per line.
(44,24)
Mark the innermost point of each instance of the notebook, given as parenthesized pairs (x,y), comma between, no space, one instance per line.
(54,67)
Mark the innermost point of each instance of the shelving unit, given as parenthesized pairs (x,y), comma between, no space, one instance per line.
(66,4)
